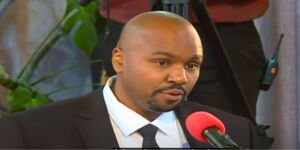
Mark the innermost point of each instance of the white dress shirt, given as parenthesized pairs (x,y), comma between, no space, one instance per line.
(126,122)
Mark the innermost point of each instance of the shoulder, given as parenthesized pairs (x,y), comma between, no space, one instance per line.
(56,122)
(58,109)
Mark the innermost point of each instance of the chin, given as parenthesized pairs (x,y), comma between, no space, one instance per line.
(163,108)
(165,105)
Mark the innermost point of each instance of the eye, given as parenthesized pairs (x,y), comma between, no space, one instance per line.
(192,66)
(162,62)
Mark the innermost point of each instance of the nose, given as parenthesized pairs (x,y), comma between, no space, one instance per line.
(178,75)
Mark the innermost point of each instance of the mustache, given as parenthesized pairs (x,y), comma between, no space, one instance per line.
(174,86)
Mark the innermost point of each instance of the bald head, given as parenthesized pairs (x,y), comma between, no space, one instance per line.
(154,21)
(157,30)
(156,18)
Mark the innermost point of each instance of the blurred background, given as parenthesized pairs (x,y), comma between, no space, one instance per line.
(26,22)
(279,107)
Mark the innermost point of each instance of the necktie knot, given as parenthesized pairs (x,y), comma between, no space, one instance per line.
(148,132)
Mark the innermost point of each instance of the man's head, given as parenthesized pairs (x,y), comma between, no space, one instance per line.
(157,61)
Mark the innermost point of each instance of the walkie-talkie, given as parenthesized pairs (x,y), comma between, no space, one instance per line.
(271,68)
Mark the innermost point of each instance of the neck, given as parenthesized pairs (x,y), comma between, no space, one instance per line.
(151,115)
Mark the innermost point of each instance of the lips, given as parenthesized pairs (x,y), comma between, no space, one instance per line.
(173,94)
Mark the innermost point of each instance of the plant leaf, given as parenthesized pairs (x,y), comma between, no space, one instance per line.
(71,19)
(19,99)
(85,37)
(71,4)
(23,98)
(82,21)
(39,100)
(2,70)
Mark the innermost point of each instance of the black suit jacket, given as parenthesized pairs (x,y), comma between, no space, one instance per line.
(83,122)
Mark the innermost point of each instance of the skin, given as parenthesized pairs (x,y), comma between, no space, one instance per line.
(157,61)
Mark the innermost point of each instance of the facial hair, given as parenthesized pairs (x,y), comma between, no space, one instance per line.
(152,104)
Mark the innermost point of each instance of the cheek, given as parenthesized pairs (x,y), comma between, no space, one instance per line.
(192,79)
(141,78)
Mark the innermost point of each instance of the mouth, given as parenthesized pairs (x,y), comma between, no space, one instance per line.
(173,94)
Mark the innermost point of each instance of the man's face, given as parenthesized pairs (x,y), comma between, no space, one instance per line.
(159,68)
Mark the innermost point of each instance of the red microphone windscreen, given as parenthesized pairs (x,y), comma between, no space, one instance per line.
(197,122)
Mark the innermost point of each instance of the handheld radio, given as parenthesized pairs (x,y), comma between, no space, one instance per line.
(271,68)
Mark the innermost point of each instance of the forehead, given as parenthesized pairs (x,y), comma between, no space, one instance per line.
(181,40)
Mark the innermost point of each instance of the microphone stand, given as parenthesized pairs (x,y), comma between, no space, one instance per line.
(179,7)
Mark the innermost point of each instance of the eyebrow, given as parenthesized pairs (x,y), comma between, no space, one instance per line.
(197,57)
(163,53)
(167,54)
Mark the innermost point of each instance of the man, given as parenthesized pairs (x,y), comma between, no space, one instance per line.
(157,61)
(234,23)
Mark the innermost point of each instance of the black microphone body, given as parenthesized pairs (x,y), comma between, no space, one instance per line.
(219,140)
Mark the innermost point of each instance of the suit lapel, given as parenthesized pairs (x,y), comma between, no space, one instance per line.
(96,130)
(182,112)
(94,124)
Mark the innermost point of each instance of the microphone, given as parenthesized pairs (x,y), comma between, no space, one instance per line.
(207,128)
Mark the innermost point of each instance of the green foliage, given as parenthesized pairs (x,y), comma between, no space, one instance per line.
(2,70)
(82,21)
(23,98)
(6,81)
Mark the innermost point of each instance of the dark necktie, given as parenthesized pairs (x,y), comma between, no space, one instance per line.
(148,132)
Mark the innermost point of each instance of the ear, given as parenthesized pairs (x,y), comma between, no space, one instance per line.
(117,59)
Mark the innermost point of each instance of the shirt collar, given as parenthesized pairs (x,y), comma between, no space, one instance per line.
(166,121)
